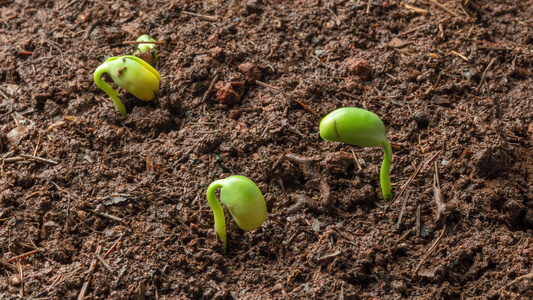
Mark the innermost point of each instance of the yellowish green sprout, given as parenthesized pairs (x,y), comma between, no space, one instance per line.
(130,73)
(244,201)
(359,127)
(141,48)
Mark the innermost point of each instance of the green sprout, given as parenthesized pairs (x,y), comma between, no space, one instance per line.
(359,127)
(130,73)
(142,48)
(243,200)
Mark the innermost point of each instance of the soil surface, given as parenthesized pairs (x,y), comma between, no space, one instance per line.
(108,207)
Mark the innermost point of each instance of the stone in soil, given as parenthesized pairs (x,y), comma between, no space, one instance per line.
(229,93)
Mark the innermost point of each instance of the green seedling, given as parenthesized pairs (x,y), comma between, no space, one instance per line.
(359,127)
(130,73)
(244,201)
(142,48)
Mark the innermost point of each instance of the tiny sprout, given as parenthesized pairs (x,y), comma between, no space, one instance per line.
(130,73)
(145,48)
(359,127)
(244,202)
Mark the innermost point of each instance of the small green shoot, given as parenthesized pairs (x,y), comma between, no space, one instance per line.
(142,48)
(359,127)
(244,201)
(130,73)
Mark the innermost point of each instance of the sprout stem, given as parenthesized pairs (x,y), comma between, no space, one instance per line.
(108,89)
(218,212)
(386,187)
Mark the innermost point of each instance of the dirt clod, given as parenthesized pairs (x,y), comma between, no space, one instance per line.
(250,71)
(491,162)
(146,56)
(229,93)
(338,162)
(359,67)
(217,53)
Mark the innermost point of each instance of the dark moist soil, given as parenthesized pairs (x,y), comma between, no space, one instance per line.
(453,85)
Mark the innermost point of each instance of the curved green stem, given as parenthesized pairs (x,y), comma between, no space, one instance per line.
(108,89)
(218,212)
(386,187)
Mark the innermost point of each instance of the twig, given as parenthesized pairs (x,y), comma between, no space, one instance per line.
(113,246)
(306,107)
(418,169)
(391,76)
(527,276)
(44,96)
(25,53)
(54,283)
(8,154)
(67,221)
(356,160)
(417,222)
(493,48)
(268,85)
(432,159)
(38,144)
(58,280)
(21,280)
(368,6)
(143,42)
(15,119)
(413,29)
(69,196)
(415,9)
(460,55)
(433,247)
(297,101)
(22,256)
(89,29)
(205,17)
(8,265)
(485,74)
(453,13)
(404,187)
(437,195)
(92,268)
(463,10)
(185,155)
(58,48)
(107,216)
(437,81)
(48,161)
(106,265)
(402,210)
(12,159)
(36,193)
(210,88)
(69,4)
(441,30)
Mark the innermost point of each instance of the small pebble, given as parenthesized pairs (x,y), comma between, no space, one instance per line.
(14,280)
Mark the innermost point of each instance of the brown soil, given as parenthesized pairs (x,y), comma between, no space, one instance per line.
(455,83)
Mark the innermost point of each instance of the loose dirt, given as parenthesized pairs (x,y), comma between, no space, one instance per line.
(111,207)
